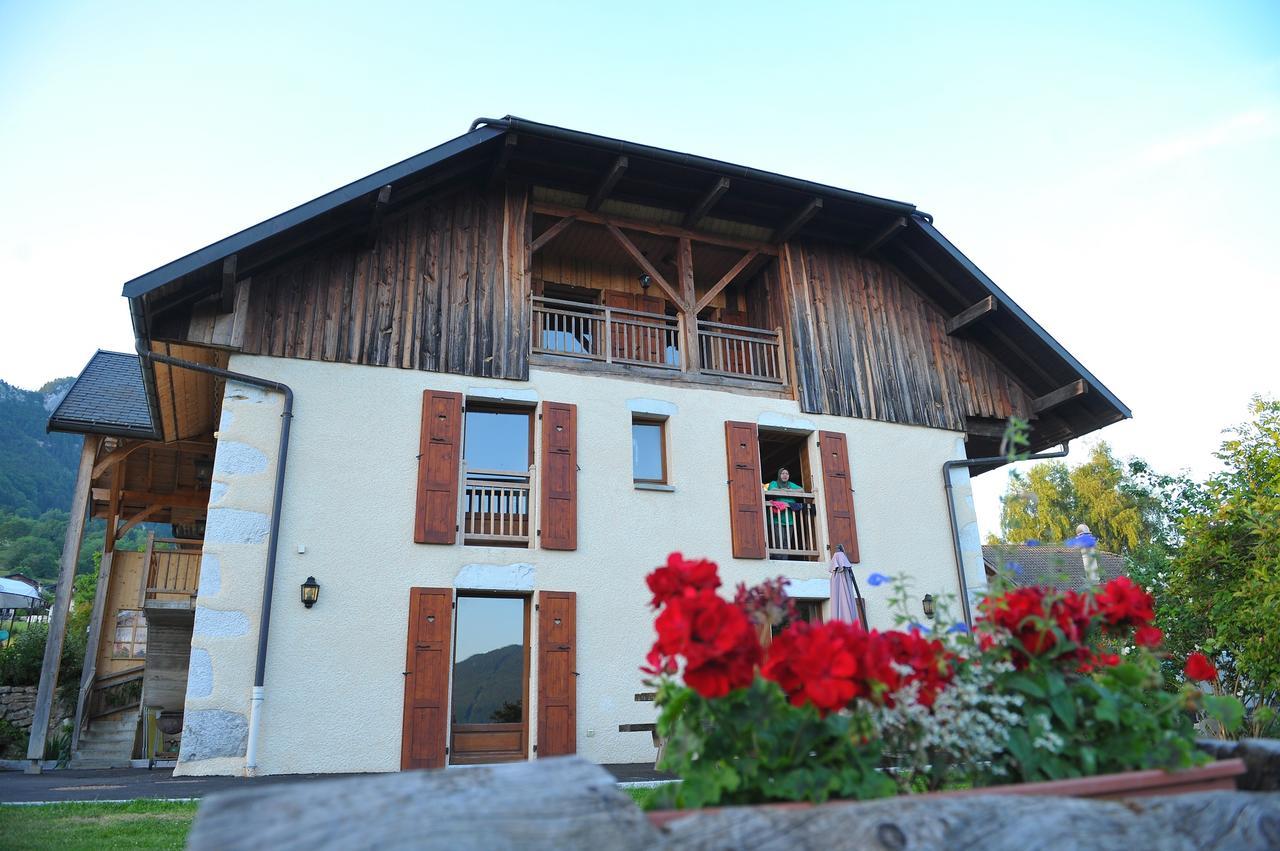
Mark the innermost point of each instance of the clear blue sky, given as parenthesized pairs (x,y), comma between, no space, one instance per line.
(1114,169)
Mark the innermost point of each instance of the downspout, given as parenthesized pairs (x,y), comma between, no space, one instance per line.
(947,467)
(268,582)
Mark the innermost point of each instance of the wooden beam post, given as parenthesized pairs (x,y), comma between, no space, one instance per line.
(504,156)
(61,605)
(704,205)
(113,507)
(1063,394)
(89,671)
(551,233)
(726,280)
(655,228)
(610,179)
(799,220)
(688,292)
(380,204)
(138,518)
(883,236)
(971,314)
(638,256)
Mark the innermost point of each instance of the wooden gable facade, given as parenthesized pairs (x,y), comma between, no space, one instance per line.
(449,268)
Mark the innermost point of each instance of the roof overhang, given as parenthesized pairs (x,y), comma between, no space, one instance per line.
(107,398)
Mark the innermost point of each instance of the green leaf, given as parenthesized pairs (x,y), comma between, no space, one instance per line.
(1026,685)
(1064,706)
(1107,710)
(1227,710)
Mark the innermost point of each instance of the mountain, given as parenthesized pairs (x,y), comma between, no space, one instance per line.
(37,470)
(486,682)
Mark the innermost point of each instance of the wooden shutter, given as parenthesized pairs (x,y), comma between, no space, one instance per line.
(837,492)
(746,499)
(559,507)
(426,682)
(557,680)
(439,450)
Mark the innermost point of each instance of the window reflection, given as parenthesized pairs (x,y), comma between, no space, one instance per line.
(488,669)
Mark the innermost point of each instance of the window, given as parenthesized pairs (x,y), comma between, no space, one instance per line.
(490,680)
(649,450)
(809,611)
(131,635)
(498,448)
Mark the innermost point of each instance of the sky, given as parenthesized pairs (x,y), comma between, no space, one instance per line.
(1113,167)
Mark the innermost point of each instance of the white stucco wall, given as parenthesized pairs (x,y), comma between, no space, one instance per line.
(334,684)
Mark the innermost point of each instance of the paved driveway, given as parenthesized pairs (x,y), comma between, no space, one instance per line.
(123,784)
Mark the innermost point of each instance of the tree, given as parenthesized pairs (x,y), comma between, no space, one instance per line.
(1117,501)
(1223,589)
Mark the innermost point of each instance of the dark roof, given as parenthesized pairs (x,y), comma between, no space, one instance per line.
(574,161)
(106,398)
(1051,566)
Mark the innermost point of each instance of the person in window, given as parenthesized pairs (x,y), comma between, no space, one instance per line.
(781,507)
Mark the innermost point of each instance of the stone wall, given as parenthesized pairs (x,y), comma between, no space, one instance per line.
(18,704)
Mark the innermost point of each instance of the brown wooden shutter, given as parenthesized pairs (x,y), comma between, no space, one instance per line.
(439,450)
(559,507)
(837,487)
(746,499)
(426,682)
(557,681)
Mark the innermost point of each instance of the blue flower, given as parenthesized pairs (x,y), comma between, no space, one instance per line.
(957,627)
(1014,568)
(1083,540)
(917,627)
(1032,542)
(878,579)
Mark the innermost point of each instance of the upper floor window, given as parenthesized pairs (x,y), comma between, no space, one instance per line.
(498,450)
(649,450)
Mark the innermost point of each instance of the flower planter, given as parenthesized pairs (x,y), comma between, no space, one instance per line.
(1219,775)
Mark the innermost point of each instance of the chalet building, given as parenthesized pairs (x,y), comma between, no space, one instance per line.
(420,440)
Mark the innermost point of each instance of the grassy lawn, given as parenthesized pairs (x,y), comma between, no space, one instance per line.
(138,824)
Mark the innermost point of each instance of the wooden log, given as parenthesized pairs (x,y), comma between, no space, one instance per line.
(1203,820)
(558,802)
(61,605)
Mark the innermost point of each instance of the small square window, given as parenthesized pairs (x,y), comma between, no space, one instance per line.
(649,451)
(130,635)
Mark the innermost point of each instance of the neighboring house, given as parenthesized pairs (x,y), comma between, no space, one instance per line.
(1049,565)
(524,366)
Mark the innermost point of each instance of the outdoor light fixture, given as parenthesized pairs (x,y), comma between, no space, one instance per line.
(204,469)
(310,592)
(927,605)
(645,281)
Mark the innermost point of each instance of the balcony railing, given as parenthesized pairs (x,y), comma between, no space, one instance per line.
(495,508)
(791,527)
(741,352)
(175,572)
(607,334)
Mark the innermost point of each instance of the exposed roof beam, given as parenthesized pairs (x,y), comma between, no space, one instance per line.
(984,428)
(807,212)
(704,205)
(971,314)
(172,499)
(610,179)
(656,228)
(726,280)
(380,204)
(1065,393)
(136,519)
(638,256)
(894,228)
(115,456)
(504,156)
(227,302)
(551,233)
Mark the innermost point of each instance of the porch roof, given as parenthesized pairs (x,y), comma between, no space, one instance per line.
(108,397)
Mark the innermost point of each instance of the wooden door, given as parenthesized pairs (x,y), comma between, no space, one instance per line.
(426,678)
(746,499)
(497,733)
(837,493)
(557,677)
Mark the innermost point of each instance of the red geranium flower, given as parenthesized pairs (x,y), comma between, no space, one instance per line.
(1123,603)
(681,577)
(1148,636)
(1200,668)
(719,645)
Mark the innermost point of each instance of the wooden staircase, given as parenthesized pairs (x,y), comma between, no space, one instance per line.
(108,743)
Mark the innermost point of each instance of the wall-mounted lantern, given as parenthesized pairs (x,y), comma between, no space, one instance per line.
(310,592)
(927,605)
(645,281)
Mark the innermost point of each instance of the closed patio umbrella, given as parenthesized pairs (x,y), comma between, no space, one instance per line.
(844,590)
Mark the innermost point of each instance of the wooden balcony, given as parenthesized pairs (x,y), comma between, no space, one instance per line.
(495,508)
(791,525)
(617,335)
(173,574)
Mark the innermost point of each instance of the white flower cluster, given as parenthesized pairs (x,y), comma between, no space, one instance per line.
(967,725)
